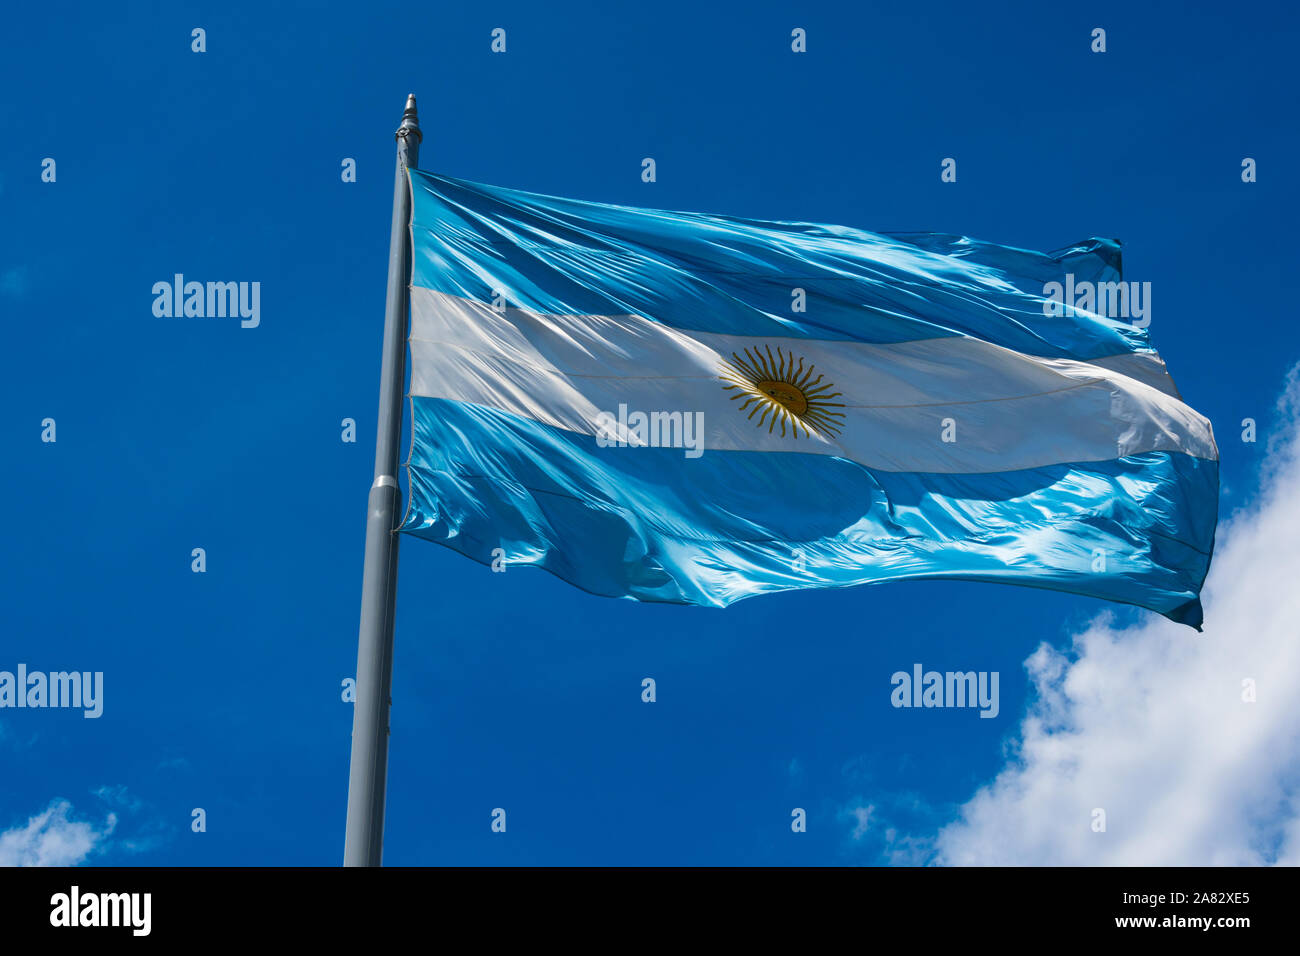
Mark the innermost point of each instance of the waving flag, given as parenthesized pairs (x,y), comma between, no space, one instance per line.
(696,409)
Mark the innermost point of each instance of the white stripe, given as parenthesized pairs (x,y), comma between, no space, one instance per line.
(1010,411)
(1147,367)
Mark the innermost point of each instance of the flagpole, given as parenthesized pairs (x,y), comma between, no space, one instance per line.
(363,843)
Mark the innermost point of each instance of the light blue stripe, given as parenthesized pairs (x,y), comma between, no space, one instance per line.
(735,276)
(654,525)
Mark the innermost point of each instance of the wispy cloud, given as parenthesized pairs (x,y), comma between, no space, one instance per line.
(860,814)
(13,281)
(147,830)
(118,797)
(53,838)
(794,772)
(1152,724)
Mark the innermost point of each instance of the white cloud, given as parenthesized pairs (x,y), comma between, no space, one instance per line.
(53,838)
(1148,722)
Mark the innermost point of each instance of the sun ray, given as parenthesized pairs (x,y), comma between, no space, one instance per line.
(781,388)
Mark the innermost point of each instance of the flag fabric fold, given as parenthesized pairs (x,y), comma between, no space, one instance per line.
(696,409)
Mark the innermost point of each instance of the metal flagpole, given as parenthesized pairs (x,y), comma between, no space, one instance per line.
(364,841)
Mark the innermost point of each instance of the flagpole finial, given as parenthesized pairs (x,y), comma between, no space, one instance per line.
(410,120)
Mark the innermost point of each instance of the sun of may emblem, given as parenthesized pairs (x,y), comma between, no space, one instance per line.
(787,393)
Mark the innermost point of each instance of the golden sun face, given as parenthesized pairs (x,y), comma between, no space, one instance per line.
(787,393)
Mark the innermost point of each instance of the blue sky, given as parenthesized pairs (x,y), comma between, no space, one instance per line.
(222,689)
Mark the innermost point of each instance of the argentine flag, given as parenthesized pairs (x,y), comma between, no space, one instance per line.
(695,409)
